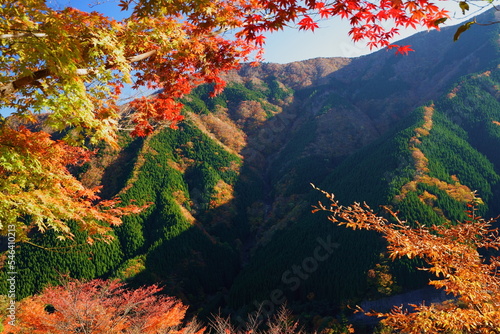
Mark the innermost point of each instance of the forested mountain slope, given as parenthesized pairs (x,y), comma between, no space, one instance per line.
(425,167)
(229,225)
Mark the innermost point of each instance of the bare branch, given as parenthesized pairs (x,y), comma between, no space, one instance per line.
(487,24)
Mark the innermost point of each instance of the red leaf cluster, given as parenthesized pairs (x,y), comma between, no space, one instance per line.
(366,18)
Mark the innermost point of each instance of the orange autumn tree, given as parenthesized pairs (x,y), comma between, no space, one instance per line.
(452,254)
(71,65)
(35,183)
(100,307)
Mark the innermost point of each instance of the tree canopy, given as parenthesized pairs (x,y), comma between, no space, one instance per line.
(100,307)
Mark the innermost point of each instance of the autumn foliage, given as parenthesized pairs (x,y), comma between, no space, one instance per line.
(453,254)
(455,190)
(101,307)
(37,187)
(72,66)
(74,63)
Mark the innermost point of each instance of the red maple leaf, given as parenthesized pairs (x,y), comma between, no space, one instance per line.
(307,23)
(403,50)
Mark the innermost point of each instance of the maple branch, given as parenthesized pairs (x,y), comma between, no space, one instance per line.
(487,24)
(142,56)
(11,87)
(23,34)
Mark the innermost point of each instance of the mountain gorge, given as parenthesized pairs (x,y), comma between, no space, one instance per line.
(229,225)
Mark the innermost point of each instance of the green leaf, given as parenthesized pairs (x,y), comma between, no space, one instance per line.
(464,6)
(461,29)
(440,21)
